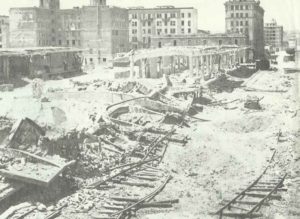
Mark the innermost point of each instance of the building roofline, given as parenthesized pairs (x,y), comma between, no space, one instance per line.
(137,9)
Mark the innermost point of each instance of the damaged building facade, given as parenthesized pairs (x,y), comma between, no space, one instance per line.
(146,23)
(100,30)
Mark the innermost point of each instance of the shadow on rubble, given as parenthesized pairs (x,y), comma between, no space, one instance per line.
(223,84)
(58,189)
(17,82)
(242,72)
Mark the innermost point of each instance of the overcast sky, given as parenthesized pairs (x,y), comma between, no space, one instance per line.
(211,13)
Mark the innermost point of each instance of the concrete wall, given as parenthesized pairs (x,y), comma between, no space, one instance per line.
(4,31)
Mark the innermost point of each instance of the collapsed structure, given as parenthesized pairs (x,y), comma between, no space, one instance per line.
(39,62)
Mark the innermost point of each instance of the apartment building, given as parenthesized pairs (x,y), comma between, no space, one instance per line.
(247,17)
(274,35)
(145,23)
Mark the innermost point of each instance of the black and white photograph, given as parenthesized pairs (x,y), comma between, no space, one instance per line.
(149,109)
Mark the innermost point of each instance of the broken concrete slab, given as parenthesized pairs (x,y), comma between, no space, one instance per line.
(25,132)
(25,167)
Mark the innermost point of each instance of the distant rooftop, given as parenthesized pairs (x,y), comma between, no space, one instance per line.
(159,7)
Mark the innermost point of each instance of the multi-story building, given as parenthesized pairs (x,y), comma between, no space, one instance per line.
(100,30)
(247,16)
(274,35)
(4,31)
(144,23)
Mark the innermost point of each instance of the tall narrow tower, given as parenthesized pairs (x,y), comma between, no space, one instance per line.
(97,2)
(50,4)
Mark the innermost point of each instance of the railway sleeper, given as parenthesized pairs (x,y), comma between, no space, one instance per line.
(240,215)
(257,195)
(247,202)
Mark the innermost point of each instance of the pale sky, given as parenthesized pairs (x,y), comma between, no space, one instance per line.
(211,13)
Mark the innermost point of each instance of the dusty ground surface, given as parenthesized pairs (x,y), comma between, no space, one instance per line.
(224,155)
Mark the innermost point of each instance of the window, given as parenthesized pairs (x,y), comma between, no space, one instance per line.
(232,15)
(182,30)
(166,23)
(246,7)
(189,30)
(158,31)
(173,30)
(173,23)
(232,23)
(189,23)
(149,31)
(237,15)
(149,23)
(189,15)
(182,23)
(158,23)
(236,42)
(144,24)
(73,42)
(232,7)
(246,23)
(241,23)
(134,23)
(236,7)
(144,31)
(246,15)
(173,15)
(242,30)
(68,42)
(204,42)
(59,42)
(134,31)
(182,15)
(158,15)
(220,42)
(166,31)
(174,43)
(166,16)
(241,15)
(159,44)
(237,23)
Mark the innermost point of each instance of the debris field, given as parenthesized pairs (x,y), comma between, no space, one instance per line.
(173,147)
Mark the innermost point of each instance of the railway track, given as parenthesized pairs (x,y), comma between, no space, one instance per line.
(247,203)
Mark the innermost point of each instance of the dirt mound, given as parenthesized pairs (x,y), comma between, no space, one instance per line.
(247,124)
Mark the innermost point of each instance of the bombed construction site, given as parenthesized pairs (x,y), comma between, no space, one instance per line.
(173,129)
